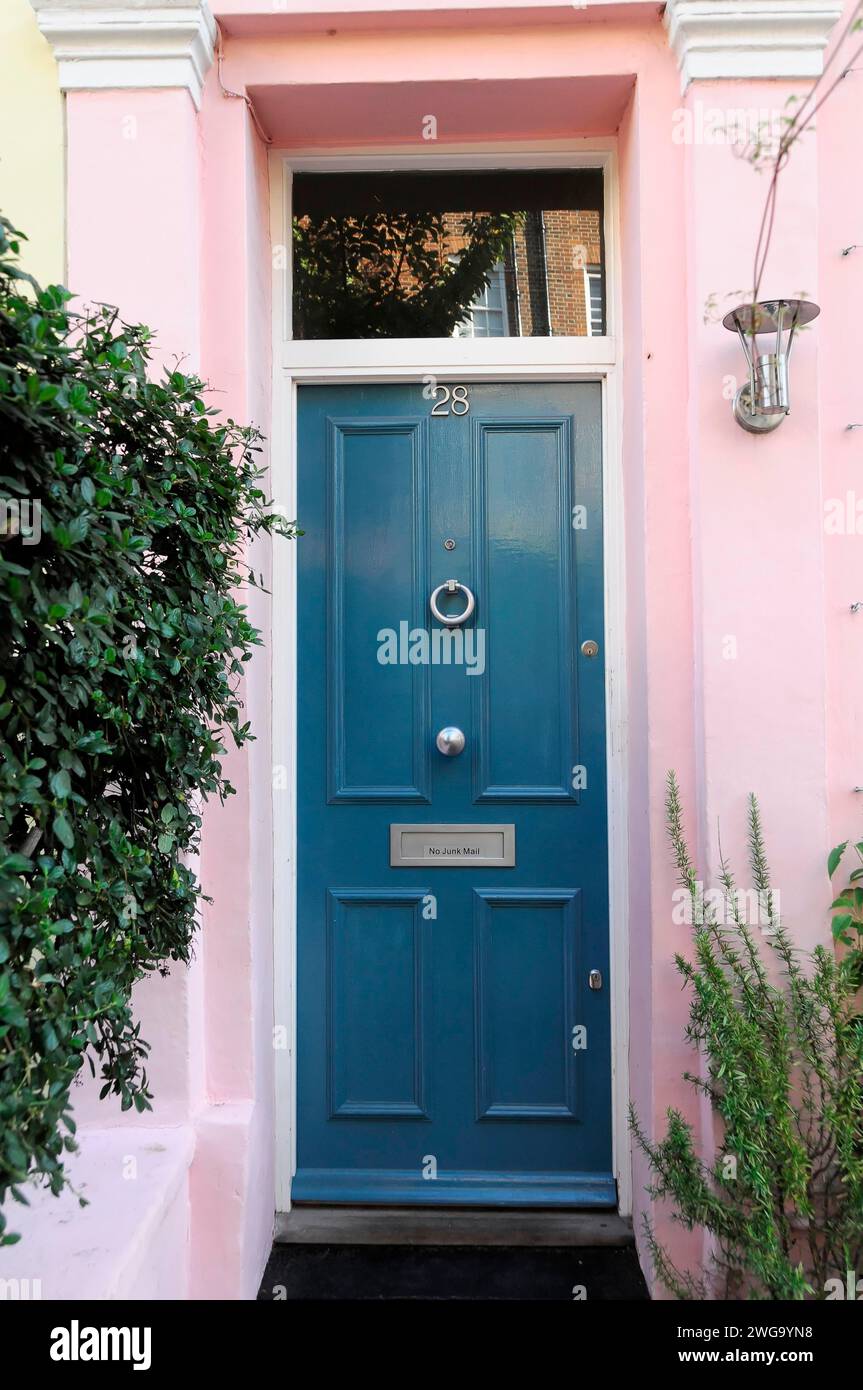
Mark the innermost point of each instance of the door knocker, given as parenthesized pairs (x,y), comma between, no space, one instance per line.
(452,586)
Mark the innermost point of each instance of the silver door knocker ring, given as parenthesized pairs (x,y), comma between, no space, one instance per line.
(452,586)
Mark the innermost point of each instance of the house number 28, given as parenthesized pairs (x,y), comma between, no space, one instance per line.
(455,400)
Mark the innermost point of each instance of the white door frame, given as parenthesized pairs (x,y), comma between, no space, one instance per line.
(389,360)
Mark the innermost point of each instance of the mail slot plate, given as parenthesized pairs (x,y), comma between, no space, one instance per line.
(452,846)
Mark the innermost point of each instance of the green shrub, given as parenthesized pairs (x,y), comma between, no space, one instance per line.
(848,906)
(126,513)
(781,1055)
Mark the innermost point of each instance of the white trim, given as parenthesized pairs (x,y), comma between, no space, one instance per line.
(749,38)
(154,46)
(525,359)
(284,715)
(385,11)
(617,771)
(472,356)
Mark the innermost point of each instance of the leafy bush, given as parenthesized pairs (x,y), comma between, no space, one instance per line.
(126,512)
(848,923)
(782,1059)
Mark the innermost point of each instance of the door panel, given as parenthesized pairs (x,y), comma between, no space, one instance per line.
(533,937)
(377,511)
(449,1048)
(376,1007)
(521,531)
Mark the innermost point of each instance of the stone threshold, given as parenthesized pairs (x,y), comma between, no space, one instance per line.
(347,1225)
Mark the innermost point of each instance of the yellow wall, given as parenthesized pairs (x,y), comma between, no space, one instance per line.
(31,141)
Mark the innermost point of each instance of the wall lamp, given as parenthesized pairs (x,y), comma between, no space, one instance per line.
(762,403)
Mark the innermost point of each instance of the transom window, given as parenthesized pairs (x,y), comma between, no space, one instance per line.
(515,253)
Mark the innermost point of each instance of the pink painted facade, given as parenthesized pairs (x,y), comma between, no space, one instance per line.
(723,537)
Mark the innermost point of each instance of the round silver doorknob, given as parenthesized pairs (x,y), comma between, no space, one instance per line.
(450,741)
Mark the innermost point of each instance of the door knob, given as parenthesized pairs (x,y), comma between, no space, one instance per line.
(450,741)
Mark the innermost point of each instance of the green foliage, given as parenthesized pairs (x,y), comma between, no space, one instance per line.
(848,923)
(121,647)
(781,1059)
(389,275)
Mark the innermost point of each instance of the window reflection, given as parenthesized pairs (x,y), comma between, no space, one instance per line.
(487,316)
(407,255)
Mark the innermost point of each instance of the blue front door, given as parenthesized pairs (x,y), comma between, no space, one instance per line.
(453,1043)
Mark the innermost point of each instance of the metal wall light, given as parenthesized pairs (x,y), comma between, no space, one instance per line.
(762,403)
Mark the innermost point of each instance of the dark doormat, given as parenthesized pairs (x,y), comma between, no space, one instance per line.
(452,1272)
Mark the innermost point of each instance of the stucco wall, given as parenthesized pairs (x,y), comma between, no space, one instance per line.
(31,141)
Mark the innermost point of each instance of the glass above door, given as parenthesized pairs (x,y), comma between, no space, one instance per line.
(510,253)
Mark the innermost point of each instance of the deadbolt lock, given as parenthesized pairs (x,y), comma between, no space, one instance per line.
(594,979)
(589,648)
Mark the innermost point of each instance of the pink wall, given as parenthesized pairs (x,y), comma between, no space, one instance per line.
(659,596)
(133,216)
(840,217)
(757,534)
(723,532)
(173,227)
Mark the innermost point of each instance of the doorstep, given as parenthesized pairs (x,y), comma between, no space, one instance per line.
(348,1225)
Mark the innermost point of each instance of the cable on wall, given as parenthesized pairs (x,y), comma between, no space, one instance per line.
(238,96)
